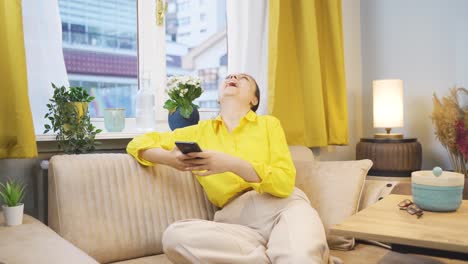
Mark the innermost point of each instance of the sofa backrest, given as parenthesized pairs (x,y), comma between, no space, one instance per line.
(114,209)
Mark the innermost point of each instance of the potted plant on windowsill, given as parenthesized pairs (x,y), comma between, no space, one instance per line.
(182,91)
(12,193)
(70,120)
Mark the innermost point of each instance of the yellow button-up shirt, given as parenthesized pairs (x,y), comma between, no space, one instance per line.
(259,140)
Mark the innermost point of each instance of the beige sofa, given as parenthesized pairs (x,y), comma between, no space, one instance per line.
(107,208)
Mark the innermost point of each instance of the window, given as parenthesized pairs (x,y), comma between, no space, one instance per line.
(101,45)
(209,104)
(210,78)
(184,34)
(120,90)
(78,34)
(100,51)
(171,7)
(65,32)
(195,51)
(184,21)
(183,5)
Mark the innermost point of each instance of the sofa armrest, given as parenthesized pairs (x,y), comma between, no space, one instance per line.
(33,242)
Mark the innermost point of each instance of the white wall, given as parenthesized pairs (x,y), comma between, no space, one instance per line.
(424,43)
(353,65)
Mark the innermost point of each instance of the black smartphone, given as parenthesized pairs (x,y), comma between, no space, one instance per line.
(188,147)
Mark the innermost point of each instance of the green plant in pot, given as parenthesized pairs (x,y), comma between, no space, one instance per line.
(12,194)
(70,120)
(182,91)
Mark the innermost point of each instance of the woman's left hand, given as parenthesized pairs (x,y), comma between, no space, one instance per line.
(210,162)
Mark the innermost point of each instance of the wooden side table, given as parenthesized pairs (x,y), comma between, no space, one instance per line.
(396,157)
(385,222)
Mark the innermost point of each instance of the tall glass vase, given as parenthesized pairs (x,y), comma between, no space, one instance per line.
(144,106)
(459,164)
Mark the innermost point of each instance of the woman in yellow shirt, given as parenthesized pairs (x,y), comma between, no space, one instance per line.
(274,222)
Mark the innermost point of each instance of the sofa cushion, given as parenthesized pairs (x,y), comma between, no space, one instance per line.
(334,189)
(157,259)
(33,242)
(115,209)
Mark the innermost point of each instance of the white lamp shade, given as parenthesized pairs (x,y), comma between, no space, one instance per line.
(388,103)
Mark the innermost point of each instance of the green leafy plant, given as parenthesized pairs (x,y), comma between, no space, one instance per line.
(70,120)
(78,94)
(12,192)
(182,90)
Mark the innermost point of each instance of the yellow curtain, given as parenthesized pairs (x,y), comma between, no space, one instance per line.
(306,71)
(17,138)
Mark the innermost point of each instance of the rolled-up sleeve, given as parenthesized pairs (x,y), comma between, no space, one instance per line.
(277,176)
(163,140)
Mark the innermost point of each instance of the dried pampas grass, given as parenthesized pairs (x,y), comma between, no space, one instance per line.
(466,119)
(445,116)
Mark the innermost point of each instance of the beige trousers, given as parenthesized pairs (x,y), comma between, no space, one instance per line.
(252,229)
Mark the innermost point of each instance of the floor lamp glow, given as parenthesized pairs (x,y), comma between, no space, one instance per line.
(388,106)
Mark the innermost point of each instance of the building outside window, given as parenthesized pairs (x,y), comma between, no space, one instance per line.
(184,21)
(210,78)
(101,52)
(201,50)
(183,5)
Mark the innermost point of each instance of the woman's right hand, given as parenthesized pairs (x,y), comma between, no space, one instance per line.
(173,158)
(178,160)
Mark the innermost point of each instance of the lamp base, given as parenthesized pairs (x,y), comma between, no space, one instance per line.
(388,136)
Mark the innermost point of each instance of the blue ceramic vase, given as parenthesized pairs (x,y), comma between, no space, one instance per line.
(178,121)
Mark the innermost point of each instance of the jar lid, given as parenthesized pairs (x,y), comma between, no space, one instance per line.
(447,178)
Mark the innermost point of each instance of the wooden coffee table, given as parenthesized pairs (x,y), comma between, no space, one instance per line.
(385,222)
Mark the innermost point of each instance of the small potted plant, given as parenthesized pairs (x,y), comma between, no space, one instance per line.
(12,193)
(70,120)
(182,91)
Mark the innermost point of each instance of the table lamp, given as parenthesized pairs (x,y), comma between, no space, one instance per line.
(388,106)
(391,154)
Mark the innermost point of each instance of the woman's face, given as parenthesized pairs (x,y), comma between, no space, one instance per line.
(240,86)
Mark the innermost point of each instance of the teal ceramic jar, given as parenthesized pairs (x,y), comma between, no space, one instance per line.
(439,194)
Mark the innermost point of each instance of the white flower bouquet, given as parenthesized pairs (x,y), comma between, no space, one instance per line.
(182,90)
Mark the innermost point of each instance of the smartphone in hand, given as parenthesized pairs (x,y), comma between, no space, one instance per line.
(188,147)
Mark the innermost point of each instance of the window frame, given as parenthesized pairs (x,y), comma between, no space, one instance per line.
(151,57)
(152,50)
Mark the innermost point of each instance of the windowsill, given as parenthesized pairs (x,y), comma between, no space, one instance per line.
(130,130)
(110,141)
(101,136)
(126,134)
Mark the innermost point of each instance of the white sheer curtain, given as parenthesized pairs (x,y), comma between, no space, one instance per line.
(247,30)
(44,56)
